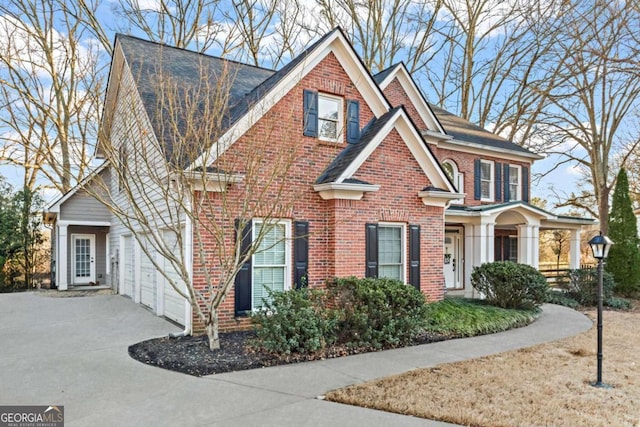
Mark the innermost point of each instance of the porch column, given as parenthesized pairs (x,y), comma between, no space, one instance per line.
(535,247)
(62,261)
(490,255)
(525,240)
(469,260)
(574,249)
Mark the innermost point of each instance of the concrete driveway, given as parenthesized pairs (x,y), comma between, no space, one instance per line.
(73,352)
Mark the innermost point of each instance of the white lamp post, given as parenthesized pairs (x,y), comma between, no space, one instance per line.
(600,246)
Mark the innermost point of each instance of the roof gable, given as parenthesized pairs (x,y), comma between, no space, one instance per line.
(272,90)
(347,163)
(399,72)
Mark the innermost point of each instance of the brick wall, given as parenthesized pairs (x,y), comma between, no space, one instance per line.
(337,227)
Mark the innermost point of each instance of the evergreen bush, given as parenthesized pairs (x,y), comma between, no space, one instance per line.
(377,313)
(624,257)
(507,284)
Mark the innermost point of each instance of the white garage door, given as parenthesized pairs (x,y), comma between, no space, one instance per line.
(129,266)
(147,280)
(174,303)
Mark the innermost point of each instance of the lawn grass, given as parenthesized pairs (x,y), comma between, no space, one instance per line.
(544,385)
(462,317)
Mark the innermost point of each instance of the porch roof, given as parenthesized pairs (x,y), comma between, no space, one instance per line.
(549,219)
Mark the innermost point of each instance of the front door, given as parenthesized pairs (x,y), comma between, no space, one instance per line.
(84,266)
(452,265)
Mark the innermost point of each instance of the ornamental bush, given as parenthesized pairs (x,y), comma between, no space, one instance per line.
(295,321)
(510,285)
(582,286)
(376,313)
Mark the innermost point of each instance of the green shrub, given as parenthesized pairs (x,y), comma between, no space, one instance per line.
(510,285)
(377,313)
(462,317)
(561,298)
(582,286)
(295,321)
(618,303)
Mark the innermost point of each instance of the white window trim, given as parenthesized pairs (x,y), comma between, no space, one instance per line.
(403,247)
(287,254)
(340,125)
(518,196)
(492,183)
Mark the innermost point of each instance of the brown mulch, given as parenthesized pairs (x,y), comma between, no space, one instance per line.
(191,354)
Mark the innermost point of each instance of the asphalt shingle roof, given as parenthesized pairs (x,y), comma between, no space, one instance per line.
(465,131)
(351,151)
(154,65)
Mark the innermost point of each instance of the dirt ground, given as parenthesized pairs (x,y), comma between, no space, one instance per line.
(545,385)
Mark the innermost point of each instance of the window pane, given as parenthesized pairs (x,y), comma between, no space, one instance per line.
(328,108)
(390,252)
(390,271)
(486,189)
(265,279)
(271,250)
(514,175)
(328,129)
(448,169)
(485,171)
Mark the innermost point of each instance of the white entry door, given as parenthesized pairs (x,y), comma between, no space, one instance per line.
(452,264)
(84,266)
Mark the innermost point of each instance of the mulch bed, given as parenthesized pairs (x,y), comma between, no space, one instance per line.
(191,355)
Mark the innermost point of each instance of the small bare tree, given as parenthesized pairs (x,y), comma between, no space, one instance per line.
(185,192)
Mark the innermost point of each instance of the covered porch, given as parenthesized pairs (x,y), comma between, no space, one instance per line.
(80,226)
(501,232)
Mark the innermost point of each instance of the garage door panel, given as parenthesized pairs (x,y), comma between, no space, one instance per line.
(174,303)
(147,281)
(129,267)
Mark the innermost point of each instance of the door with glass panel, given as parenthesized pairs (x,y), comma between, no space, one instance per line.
(84,267)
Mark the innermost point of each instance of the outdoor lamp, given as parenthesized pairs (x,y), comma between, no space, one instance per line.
(600,246)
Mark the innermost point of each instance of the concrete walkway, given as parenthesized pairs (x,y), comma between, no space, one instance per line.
(73,352)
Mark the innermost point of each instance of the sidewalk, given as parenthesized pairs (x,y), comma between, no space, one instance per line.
(73,352)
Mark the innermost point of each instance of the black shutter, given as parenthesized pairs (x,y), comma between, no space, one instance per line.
(414,256)
(498,183)
(310,113)
(353,121)
(371,250)
(243,278)
(525,184)
(477,189)
(497,248)
(507,192)
(301,253)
